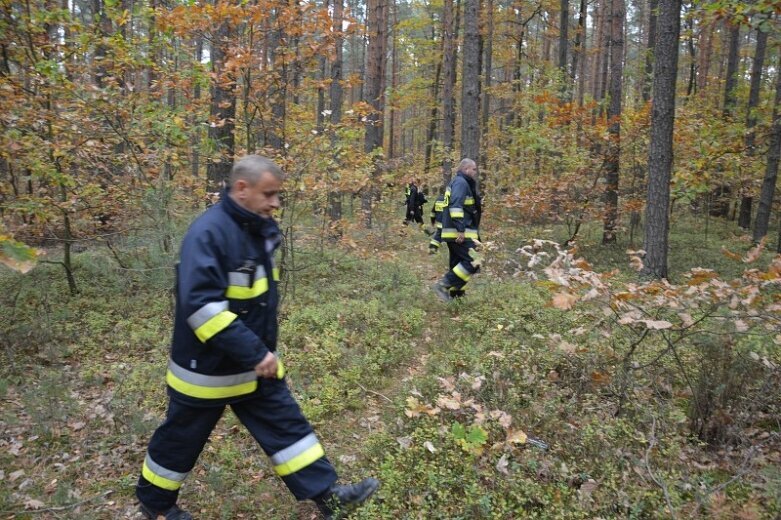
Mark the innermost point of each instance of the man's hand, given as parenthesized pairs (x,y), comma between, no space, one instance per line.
(267,368)
(460,238)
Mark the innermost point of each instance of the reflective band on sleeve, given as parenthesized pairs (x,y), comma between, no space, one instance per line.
(275,274)
(469,201)
(161,477)
(439,225)
(457,212)
(202,386)
(239,285)
(461,272)
(298,456)
(433,243)
(210,319)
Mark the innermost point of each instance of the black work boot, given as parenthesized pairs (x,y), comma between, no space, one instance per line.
(172,513)
(338,498)
(442,291)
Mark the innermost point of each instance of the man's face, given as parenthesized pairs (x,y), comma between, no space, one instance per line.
(262,198)
(470,170)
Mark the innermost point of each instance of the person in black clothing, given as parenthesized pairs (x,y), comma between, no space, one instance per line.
(414,203)
(223,353)
(460,230)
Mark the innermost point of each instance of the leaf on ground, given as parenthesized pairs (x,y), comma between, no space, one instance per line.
(430,447)
(517,437)
(564,300)
(32,503)
(501,466)
(657,324)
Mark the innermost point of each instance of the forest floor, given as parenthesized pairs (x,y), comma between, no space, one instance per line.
(437,400)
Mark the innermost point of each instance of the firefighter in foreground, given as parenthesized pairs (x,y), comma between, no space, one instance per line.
(460,224)
(223,353)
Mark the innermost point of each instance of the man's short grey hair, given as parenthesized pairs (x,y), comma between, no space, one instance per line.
(251,167)
(466,162)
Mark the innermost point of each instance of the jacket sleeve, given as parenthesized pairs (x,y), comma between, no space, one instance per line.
(456,206)
(202,283)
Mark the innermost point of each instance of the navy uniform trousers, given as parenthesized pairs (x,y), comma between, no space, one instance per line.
(461,267)
(275,421)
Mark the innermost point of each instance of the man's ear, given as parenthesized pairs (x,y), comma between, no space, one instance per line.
(239,186)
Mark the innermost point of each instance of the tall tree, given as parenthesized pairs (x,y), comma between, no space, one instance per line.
(336,94)
(771,171)
(563,44)
(470,79)
(746,200)
(731,84)
(660,152)
(448,86)
(649,51)
(222,112)
(377,24)
(614,120)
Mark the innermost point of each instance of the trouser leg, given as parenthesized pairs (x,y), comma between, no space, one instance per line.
(436,241)
(461,267)
(172,453)
(275,421)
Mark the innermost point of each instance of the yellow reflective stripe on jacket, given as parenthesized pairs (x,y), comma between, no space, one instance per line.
(203,386)
(469,201)
(297,456)
(434,243)
(210,319)
(456,212)
(275,273)
(453,233)
(461,272)
(239,285)
(161,477)
(439,225)
(439,205)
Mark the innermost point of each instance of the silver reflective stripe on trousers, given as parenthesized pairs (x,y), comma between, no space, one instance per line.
(205,313)
(210,381)
(295,450)
(159,470)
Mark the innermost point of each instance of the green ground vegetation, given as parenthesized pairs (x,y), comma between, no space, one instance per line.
(443,403)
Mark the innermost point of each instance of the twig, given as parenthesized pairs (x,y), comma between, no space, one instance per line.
(58,508)
(658,482)
(373,392)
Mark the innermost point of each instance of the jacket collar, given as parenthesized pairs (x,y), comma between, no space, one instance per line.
(469,180)
(252,223)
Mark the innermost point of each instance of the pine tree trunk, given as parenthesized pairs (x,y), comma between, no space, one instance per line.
(660,154)
(488,50)
(746,201)
(336,94)
(731,83)
(375,68)
(767,192)
(614,118)
(470,77)
(222,113)
(448,87)
(563,43)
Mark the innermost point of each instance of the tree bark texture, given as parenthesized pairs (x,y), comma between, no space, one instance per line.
(222,113)
(731,83)
(771,171)
(470,78)
(448,87)
(660,154)
(614,119)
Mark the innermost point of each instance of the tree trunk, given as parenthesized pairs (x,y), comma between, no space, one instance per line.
(771,171)
(470,77)
(660,154)
(488,51)
(757,64)
(195,136)
(394,84)
(433,116)
(706,51)
(614,118)
(222,113)
(448,86)
(578,51)
(731,83)
(278,90)
(375,68)
(649,51)
(563,43)
(692,85)
(336,95)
